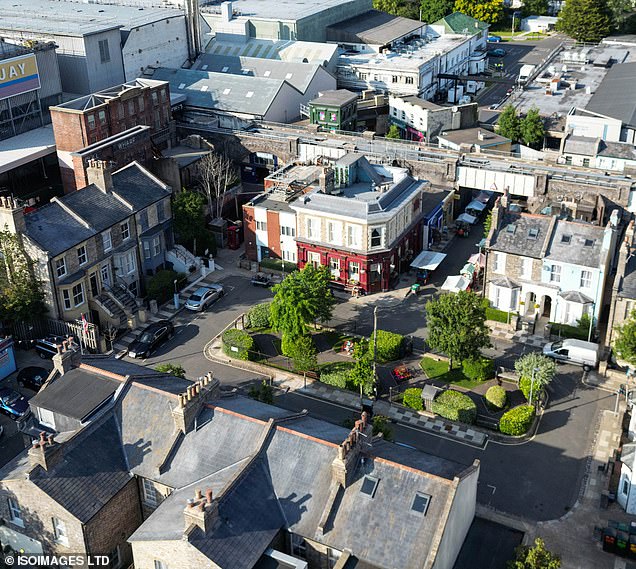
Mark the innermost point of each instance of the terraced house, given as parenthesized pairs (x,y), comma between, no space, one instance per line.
(94,246)
(220,481)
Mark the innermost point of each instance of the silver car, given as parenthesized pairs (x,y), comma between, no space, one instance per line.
(201,298)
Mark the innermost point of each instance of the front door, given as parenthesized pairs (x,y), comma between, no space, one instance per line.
(94,284)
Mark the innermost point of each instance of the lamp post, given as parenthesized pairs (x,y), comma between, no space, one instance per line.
(282,258)
(532,384)
(175,298)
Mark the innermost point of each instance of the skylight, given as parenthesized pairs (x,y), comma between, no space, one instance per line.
(226,91)
(288,76)
(204,88)
(589,242)
(181,85)
(250,94)
(533,233)
(267,73)
(369,486)
(511,228)
(204,67)
(225,70)
(420,503)
(566,238)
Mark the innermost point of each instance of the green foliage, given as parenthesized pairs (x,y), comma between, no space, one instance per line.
(362,375)
(567,331)
(277,265)
(455,406)
(172,369)
(433,10)
(509,124)
(496,396)
(496,315)
(535,557)
(336,376)
(389,346)
(487,223)
(21,293)
(535,8)
(456,325)
(262,392)
(303,353)
(393,132)
(531,128)
(258,316)
(517,421)
(240,340)
(490,11)
(188,217)
(478,369)
(160,286)
(626,339)
(623,16)
(412,398)
(544,371)
(302,298)
(524,386)
(586,21)
(380,425)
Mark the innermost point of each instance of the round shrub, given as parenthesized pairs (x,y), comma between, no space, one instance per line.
(412,398)
(496,396)
(455,406)
(389,346)
(517,421)
(237,343)
(258,316)
(478,369)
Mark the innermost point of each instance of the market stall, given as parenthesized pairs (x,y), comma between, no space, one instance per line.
(456,283)
(425,263)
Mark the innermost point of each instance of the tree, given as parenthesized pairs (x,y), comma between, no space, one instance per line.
(535,8)
(487,223)
(216,173)
(509,123)
(456,325)
(623,15)
(586,21)
(303,353)
(188,218)
(388,6)
(535,364)
(302,298)
(21,292)
(362,375)
(433,10)
(626,339)
(535,557)
(172,369)
(531,128)
(489,11)
(393,132)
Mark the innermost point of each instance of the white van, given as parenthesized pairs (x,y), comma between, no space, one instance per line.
(524,73)
(574,352)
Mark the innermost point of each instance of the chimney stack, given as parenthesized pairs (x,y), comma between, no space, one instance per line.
(192,401)
(11,216)
(326,181)
(98,173)
(45,452)
(202,513)
(68,356)
(359,441)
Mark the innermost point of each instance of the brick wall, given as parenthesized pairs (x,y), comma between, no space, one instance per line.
(69,128)
(115,523)
(273,233)
(249,231)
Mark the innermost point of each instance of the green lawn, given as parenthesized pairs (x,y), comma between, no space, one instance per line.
(438,370)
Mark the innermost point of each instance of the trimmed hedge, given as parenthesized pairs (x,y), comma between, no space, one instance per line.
(524,386)
(496,315)
(412,398)
(455,406)
(160,287)
(517,421)
(566,331)
(389,346)
(496,396)
(258,316)
(240,340)
(479,369)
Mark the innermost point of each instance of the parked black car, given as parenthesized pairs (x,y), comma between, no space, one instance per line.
(262,279)
(47,347)
(32,377)
(13,403)
(150,338)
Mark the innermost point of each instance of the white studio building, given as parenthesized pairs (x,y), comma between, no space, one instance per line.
(406,57)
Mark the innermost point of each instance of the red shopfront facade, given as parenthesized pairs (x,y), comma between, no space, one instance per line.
(371,272)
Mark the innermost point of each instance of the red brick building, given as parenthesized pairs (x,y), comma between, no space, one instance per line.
(364,222)
(91,119)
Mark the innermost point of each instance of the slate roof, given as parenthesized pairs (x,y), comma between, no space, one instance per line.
(76,394)
(627,285)
(614,97)
(458,23)
(505,282)
(372,27)
(584,246)
(628,455)
(138,187)
(99,209)
(519,242)
(575,296)
(93,471)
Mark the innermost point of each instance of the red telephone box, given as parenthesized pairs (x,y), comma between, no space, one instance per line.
(233,237)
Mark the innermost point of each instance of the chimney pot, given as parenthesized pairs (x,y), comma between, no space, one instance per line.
(59,348)
(42,438)
(201,506)
(208,495)
(198,495)
(50,440)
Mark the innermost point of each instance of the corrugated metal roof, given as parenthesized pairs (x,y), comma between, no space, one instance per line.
(373,27)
